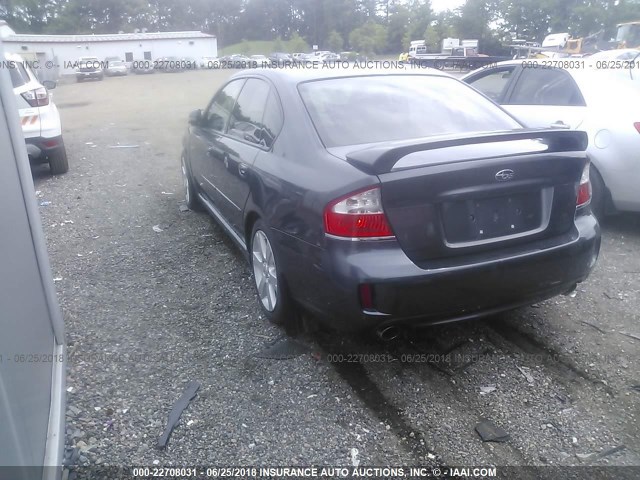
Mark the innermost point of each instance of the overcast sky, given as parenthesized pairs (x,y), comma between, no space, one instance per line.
(440,5)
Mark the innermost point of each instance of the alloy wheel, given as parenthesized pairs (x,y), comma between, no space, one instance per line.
(185,183)
(264,270)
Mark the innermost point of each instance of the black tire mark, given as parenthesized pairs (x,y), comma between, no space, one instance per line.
(555,361)
(356,376)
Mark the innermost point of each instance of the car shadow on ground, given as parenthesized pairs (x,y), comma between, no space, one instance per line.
(40,173)
(622,224)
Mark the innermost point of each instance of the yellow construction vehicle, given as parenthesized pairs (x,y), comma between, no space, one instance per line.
(628,35)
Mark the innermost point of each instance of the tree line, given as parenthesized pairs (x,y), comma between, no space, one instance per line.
(367,26)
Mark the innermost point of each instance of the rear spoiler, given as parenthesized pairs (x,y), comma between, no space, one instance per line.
(381,158)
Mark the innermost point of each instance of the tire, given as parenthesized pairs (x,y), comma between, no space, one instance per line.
(58,163)
(271,288)
(598,194)
(190,192)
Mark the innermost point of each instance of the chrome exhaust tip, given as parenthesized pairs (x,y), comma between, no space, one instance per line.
(388,333)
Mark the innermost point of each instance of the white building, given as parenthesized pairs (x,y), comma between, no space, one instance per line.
(55,54)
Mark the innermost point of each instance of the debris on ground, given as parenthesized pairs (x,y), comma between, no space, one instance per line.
(157,229)
(124,146)
(592,325)
(166,193)
(283,348)
(630,335)
(45,203)
(584,456)
(354,457)
(490,432)
(610,451)
(487,389)
(174,415)
(57,279)
(184,208)
(525,371)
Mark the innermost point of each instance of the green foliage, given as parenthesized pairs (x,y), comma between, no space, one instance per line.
(397,24)
(277,45)
(245,47)
(420,18)
(373,26)
(335,41)
(369,39)
(265,47)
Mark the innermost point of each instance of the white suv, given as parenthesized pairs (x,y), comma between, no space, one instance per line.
(39,116)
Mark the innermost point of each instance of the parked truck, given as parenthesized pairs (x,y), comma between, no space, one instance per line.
(455,53)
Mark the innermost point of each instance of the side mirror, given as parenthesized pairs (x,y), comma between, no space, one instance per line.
(49,84)
(195,117)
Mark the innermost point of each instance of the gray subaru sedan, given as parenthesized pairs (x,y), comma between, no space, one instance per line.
(376,199)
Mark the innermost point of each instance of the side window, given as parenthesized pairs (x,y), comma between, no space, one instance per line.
(548,86)
(246,119)
(18,74)
(494,82)
(272,120)
(219,111)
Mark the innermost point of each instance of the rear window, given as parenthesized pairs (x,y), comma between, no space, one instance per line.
(357,110)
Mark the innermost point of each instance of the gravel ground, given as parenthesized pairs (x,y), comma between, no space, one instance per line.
(148,310)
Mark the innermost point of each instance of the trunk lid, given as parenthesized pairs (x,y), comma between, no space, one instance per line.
(460,195)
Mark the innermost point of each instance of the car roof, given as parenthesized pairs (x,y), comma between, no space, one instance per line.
(615,54)
(295,75)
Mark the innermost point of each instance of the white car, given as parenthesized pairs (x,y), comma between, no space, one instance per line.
(209,62)
(619,54)
(39,116)
(89,68)
(115,68)
(605,103)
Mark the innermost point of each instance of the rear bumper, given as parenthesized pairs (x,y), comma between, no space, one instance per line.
(85,75)
(39,148)
(404,293)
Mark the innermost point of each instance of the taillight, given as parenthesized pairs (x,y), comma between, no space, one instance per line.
(37,98)
(637,125)
(358,215)
(584,189)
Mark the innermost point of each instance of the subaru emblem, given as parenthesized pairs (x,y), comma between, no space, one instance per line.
(505,175)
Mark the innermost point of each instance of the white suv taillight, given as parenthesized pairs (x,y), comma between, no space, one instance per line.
(37,98)
(358,215)
(584,189)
